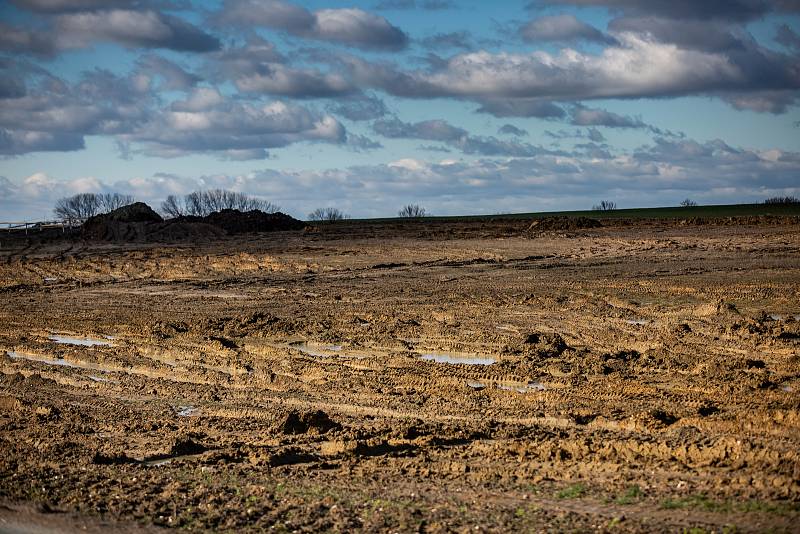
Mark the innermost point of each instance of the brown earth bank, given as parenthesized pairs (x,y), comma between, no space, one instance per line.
(406,376)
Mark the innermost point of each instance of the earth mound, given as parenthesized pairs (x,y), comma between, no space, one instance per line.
(239,222)
(561,224)
(138,222)
(128,223)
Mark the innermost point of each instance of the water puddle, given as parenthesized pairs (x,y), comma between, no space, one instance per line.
(443,357)
(82,341)
(59,362)
(41,359)
(186,411)
(477,386)
(525,388)
(637,322)
(99,379)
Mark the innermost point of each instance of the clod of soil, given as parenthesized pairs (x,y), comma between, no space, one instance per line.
(316,422)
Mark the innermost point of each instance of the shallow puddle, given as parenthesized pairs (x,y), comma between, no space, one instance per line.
(82,341)
(637,322)
(186,411)
(58,362)
(41,359)
(525,388)
(477,386)
(442,357)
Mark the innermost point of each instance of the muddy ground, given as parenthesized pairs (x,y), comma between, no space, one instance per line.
(638,378)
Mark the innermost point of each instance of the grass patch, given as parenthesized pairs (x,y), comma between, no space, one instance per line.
(631,495)
(703,502)
(572,492)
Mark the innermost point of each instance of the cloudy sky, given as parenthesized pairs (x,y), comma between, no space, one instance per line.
(462,106)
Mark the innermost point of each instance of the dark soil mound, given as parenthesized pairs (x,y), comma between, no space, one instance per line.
(561,224)
(238,222)
(138,222)
(316,422)
(136,212)
(128,223)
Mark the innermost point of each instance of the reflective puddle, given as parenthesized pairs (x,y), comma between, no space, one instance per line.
(441,357)
(186,411)
(82,341)
(637,322)
(59,362)
(41,359)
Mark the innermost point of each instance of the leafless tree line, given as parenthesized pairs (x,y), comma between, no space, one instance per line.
(782,200)
(327,215)
(85,205)
(412,211)
(605,205)
(202,203)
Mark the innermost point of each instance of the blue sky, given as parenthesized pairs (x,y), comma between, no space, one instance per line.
(461,106)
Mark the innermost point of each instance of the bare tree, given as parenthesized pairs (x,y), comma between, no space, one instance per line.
(327,214)
(172,207)
(688,203)
(111,201)
(202,203)
(782,200)
(605,205)
(85,205)
(412,211)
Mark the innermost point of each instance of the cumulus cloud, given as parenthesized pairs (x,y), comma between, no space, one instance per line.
(257,67)
(360,107)
(510,129)
(527,84)
(351,27)
(442,131)
(521,107)
(206,122)
(132,28)
(583,116)
(562,28)
(452,40)
(56,116)
(431,5)
(61,6)
(172,76)
(787,37)
(732,10)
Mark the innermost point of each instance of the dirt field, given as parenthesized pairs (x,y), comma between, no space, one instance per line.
(638,378)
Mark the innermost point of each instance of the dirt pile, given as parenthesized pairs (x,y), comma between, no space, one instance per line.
(138,222)
(238,222)
(562,224)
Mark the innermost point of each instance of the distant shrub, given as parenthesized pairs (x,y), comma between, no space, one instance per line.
(688,203)
(412,211)
(85,205)
(202,203)
(327,215)
(782,200)
(605,205)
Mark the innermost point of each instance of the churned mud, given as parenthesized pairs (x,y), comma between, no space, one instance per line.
(439,376)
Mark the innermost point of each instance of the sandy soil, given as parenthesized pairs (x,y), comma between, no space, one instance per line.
(639,378)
